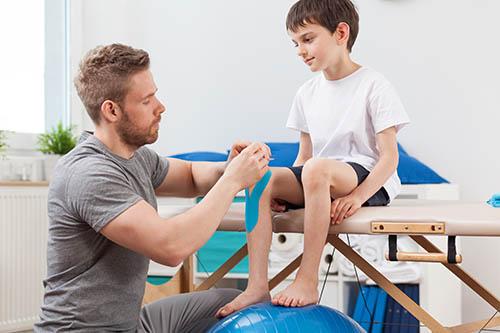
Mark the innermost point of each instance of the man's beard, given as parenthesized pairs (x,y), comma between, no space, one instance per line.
(131,136)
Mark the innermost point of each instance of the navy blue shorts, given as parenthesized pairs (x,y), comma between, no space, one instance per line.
(380,198)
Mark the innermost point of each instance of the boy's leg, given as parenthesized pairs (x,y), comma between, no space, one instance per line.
(193,312)
(283,185)
(321,179)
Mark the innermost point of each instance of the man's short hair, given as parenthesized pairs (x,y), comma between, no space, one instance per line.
(104,75)
(327,13)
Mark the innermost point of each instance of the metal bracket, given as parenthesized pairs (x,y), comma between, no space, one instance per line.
(386,227)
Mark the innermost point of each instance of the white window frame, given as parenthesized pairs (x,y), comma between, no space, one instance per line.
(57,95)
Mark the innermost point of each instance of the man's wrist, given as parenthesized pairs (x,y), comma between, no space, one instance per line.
(232,184)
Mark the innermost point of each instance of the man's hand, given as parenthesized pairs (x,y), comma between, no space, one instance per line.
(248,165)
(238,147)
(344,207)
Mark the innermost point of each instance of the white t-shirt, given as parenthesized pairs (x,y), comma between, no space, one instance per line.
(343,117)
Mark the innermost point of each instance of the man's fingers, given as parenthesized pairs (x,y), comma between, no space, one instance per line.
(268,150)
(251,149)
(242,145)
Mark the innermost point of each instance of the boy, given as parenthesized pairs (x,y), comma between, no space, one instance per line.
(348,117)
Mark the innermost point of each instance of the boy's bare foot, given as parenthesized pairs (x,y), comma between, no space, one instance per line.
(300,293)
(244,299)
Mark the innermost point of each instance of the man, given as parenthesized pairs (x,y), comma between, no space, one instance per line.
(104,226)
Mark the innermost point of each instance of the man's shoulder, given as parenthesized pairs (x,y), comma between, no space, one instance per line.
(82,165)
(83,158)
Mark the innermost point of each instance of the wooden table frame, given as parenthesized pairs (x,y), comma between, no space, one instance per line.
(182,282)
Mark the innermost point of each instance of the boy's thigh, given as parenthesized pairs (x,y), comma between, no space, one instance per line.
(192,312)
(286,186)
(341,176)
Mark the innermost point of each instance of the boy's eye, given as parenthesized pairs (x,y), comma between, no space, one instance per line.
(146,102)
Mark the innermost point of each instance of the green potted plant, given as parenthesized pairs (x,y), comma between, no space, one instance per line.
(4,165)
(55,143)
(3,142)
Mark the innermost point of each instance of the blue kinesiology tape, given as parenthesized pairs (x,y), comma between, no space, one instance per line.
(252,202)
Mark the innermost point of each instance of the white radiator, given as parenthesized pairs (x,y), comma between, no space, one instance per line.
(23,243)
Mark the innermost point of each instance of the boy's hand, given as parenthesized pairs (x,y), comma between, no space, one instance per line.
(344,207)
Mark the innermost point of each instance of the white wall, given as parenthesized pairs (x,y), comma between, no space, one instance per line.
(227,70)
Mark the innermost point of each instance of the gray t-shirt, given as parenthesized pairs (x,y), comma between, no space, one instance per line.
(92,283)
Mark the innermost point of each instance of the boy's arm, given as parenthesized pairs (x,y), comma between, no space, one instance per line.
(384,168)
(305,149)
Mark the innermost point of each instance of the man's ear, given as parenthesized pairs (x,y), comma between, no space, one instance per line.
(110,111)
(343,31)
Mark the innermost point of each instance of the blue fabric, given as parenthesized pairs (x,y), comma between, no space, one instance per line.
(379,312)
(410,169)
(283,153)
(199,156)
(495,200)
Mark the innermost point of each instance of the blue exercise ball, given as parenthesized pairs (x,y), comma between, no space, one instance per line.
(269,318)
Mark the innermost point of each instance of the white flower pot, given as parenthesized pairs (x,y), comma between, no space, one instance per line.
(49,163)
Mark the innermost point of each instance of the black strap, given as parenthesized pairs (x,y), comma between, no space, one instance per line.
(393,247)
(452,250)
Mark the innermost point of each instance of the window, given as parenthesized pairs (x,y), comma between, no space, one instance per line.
(34,61)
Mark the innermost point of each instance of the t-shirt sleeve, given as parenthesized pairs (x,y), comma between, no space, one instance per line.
(386,108)
(98,195)
(296,118)
(158,166)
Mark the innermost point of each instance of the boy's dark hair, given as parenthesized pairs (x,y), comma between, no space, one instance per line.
(327,13)
(104,74)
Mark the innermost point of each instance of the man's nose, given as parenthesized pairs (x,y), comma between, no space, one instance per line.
(162,107)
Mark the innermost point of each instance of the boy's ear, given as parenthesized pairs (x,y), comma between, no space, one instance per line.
(342,31)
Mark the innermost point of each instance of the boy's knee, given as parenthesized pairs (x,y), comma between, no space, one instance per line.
(315,172)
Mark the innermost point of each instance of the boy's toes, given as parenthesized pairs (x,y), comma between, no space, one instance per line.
(276,299)
(225,311)
(220,312)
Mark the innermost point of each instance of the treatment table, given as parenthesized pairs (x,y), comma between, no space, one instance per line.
(415,218)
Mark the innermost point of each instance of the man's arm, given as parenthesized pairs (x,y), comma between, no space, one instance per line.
(170,241)
(190,179)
